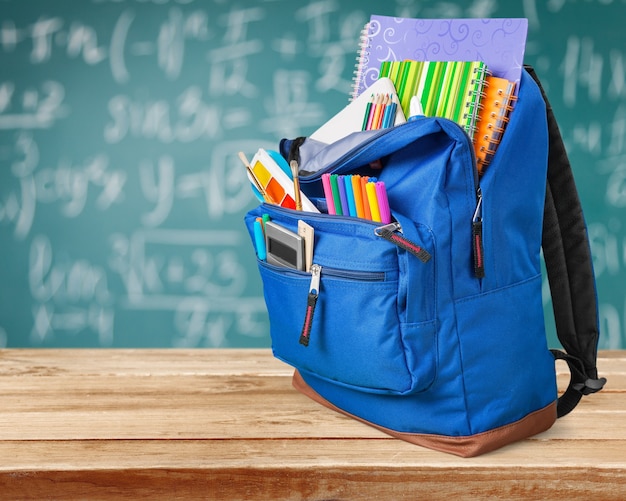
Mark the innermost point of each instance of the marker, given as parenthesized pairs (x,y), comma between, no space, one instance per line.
(259,240)
(373,203)
(265,218)
(390,114)
(383,203)
(336,198)
(358,195)
(367,213)
(328,193)
(350,195)
(345,211)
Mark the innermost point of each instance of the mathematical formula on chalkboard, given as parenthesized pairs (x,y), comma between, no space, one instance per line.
(121,194)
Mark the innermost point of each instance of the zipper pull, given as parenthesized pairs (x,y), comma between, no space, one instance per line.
(314,290)
(392,232)
(477,237)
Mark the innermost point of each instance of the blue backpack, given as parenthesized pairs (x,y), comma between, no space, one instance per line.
(431,328)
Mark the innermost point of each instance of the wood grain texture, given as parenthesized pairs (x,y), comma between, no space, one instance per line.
(226,424)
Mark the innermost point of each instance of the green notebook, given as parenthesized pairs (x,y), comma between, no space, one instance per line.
(449,89)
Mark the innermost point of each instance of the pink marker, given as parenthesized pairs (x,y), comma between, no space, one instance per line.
(328,193)
(383,202)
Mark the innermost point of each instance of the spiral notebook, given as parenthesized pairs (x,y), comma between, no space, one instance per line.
(449,89)
(496,105)
(499,43)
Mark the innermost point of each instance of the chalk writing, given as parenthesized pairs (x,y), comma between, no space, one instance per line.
(34,107)
(66,184)
(70,295)
(189,119)
(121,193)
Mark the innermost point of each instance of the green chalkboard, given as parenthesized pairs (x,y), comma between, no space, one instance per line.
(121,194)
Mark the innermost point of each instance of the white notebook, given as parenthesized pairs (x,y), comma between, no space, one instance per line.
(350,119)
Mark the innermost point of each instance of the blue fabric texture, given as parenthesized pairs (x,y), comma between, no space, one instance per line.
(425,347)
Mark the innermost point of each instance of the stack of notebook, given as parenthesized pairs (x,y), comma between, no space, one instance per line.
(467,70)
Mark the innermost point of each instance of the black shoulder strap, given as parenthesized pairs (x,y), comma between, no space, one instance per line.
(570,271)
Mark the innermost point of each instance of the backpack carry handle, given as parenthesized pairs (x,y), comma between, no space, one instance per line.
(570,272)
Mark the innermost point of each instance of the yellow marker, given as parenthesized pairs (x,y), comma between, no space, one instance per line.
(373,201)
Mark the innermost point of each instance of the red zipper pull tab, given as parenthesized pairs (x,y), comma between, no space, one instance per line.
(314,289)
(477,237)
(392,232)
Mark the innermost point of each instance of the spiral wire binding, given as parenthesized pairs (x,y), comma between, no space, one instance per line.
(362,59)
(492,131)
(471,115)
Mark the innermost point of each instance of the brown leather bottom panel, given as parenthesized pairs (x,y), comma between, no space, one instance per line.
(466,446)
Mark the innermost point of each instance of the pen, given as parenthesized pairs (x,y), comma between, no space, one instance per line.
(296,183)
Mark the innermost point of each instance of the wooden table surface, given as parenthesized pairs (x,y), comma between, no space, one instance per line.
(226,424)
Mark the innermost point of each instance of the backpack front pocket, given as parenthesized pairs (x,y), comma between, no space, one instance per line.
(345,321)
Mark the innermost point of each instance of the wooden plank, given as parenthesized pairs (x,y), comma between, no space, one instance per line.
(49,362)
(212,407)
(149,362)
(134,404)
(304,469)
(226,424)
(272,419)
(385,452)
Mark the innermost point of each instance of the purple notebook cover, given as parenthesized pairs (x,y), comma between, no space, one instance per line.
(500,43)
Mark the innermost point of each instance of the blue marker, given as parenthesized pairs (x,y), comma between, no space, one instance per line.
(343,196)
(350,195)
(259,240)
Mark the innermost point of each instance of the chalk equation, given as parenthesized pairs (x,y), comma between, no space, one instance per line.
(202,284)
(121,194)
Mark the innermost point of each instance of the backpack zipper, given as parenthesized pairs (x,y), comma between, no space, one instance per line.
(392,232)
(314,292)
(477,218)
(477,236)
